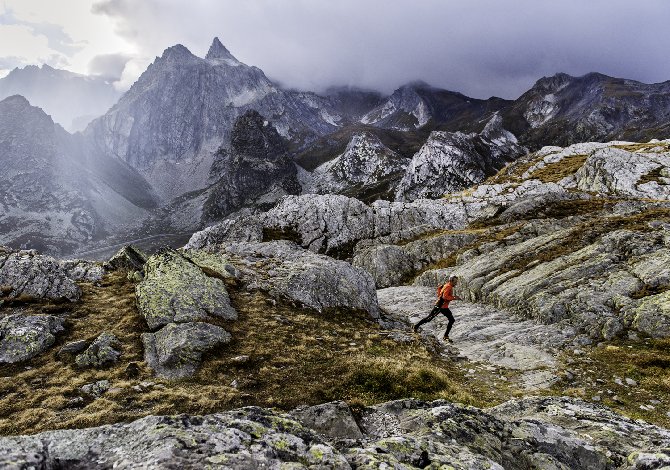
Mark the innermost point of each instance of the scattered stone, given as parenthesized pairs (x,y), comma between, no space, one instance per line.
(234,383)
(595,398)
(631,382)
(100,353)
(175,351)
(72,348)
(23,337)
(618,381)
(96,389)
(177,290)
(240,359)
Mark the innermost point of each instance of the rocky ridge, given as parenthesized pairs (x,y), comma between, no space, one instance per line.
(544,433)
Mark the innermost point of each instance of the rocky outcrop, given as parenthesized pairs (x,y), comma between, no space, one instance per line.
(255,171)
(626,174)
(314,281)
(366,168)
(128,258)
(529,433)
(177,290)
(486,335)
(334,224)
(391,265)
(25,336)
(452,161)
(175,351)
(28,274)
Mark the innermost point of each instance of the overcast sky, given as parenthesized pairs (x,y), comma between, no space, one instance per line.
(478,47)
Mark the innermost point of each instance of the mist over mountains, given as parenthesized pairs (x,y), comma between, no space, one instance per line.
(169,156)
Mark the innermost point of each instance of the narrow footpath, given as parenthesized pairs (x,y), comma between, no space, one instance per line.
(484,334)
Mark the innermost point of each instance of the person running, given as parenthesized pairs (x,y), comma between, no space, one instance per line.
(445,294)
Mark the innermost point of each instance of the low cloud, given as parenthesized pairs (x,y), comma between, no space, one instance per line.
(109,66)
(480,47)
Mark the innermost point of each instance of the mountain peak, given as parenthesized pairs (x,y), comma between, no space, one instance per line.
(217,51)
(177,51)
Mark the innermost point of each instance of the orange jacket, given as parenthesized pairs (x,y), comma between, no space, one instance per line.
(446,292)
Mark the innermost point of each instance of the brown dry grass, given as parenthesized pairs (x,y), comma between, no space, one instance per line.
(554,172)
(647,361)
(297,356)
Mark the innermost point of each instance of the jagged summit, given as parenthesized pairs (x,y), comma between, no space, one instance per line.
(177,51)
(217,51)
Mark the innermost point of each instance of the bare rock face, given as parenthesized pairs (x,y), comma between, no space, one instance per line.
(256,169)
(175,351)
(25,336)
(177,290)
(315,281)
(366,168)
(626,174)
(549,432)
(334,224)
(27,273)
(449,161)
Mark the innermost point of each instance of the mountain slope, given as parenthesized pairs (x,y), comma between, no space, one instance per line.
(563,110)
(53,195)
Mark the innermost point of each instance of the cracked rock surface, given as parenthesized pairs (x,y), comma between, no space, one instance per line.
(546,432)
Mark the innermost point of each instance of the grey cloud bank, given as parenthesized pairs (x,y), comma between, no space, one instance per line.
(480,48)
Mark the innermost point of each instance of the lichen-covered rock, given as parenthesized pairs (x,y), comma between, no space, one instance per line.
(315,281)
(333,420)
(333,224)
(240,439)
(129,258)
(176,290)
(82,270)
(25,336)
(545,432)
(30,274)
(240,229)
(95,389)
(652,315)
(175,351)
(102,352)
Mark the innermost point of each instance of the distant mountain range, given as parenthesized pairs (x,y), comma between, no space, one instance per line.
(72,100)
(196,139)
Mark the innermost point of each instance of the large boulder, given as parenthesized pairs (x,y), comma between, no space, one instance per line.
(176,290)
(333,420)
(315,281)
(25,336)
(175,351)
(389,265)
(28,274)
